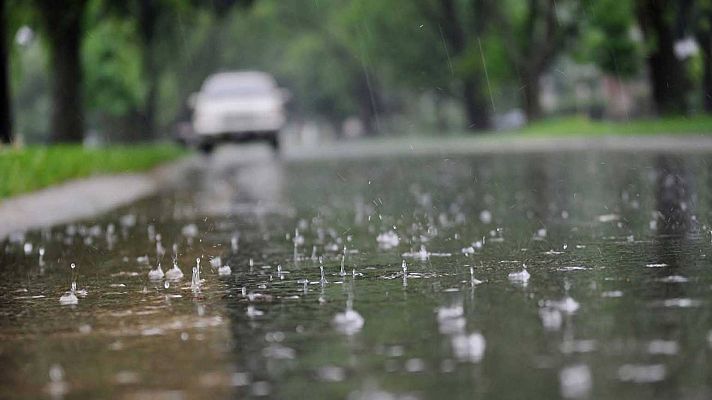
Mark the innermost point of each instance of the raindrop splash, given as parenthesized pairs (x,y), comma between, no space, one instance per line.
(195,282)
(473,281)
(156,274)
(70,297)
(224,270)
(234,242)
(321,269)
(174,273)
(520,277)
(348,322)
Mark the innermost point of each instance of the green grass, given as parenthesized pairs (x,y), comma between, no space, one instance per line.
(582,126)
(34,167)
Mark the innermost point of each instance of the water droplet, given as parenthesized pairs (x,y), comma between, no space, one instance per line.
(575,381)
(521,277)
(234,243)
(70,297)
(174,273)
(56,373)
(348,322)
(156,273)
(486,217)
(323,277)
(388,240)
(224,270)
(195,282)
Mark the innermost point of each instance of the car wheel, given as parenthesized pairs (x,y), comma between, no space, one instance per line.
(274,142)
(206,147)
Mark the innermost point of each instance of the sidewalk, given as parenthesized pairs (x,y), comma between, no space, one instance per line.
(84,198)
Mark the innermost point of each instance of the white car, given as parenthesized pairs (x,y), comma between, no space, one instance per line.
(237,106)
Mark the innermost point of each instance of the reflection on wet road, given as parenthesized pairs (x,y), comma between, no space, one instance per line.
(575,275)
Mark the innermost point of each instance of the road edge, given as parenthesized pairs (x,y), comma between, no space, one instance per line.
(86,197)
(491,144)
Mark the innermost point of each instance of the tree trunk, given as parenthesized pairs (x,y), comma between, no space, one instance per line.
(530,96)
(147,19)
(5,102)
(148,114)
(64,20)
(369,103)
(476,107)
(705,43)
(668,77)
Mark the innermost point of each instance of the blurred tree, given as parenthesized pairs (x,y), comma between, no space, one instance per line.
(607,38)
(535,33)
(147,14)
(29,80)
(462,38)
(114,83)
(411,47)
(702,12)
(63,22)
(408,54)
(668,76)
(349,43)
(5,107)
(322,50)
(157,24)
(380,61)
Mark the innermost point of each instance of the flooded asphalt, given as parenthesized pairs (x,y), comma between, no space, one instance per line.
(532,276)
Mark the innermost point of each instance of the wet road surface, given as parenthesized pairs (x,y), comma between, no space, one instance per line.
(548,275)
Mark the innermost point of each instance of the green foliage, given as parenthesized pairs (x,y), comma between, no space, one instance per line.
(406,44)
(112,60)
(31,168)
(321,80)
(494,53)
(608,39)
(323,52)
(582,126)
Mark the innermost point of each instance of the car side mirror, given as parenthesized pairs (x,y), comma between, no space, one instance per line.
(193,100)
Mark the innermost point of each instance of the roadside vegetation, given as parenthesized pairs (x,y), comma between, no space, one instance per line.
(34,167)
(583,126)
(125,70)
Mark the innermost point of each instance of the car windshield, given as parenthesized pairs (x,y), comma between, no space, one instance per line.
(231,86)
